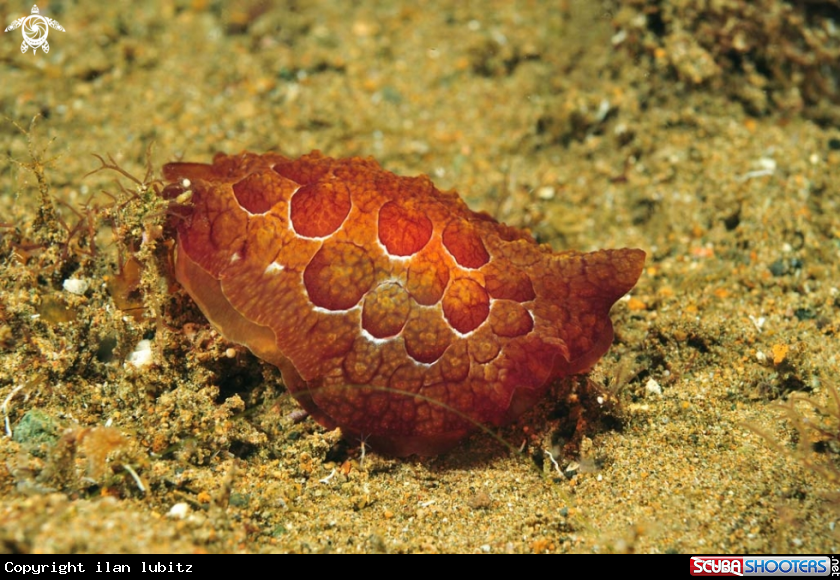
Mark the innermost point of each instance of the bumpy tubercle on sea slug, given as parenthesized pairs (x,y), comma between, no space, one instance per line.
(392,310)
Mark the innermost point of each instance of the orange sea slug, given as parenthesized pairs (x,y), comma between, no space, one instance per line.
(393,311)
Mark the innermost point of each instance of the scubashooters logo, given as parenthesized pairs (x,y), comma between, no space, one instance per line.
(35,29)
(760,566)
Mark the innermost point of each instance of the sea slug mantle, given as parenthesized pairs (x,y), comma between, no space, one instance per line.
(392,310)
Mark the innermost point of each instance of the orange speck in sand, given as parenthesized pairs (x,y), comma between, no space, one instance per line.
(780,352)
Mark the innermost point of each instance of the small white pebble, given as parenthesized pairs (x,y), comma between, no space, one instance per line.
(76,286)
(142,355)
(652,387)
(546,192)
(230,353)
(485,548)
(618,37)
(760,356)
(767,164)
(603,110)
(179,511)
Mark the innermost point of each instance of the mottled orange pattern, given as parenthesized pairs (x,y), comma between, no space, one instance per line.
(392,310)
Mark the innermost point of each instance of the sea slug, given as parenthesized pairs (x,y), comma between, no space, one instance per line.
(392,310)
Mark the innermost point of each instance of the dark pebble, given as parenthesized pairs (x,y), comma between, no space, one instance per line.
(779,268)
